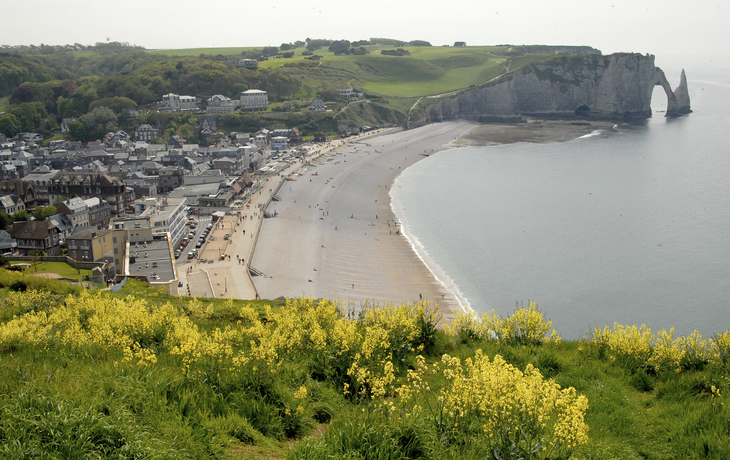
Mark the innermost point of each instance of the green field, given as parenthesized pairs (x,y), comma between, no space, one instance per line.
(226,51)
(61,268)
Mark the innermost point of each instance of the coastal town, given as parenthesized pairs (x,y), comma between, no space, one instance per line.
(135,205)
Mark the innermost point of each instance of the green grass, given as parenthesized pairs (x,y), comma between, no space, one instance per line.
(65,402)
(225,51)
(61,268)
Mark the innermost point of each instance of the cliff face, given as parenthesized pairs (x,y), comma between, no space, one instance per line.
(616,86)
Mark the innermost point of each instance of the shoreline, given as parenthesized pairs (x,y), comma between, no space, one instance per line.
(336,235)
(330,221)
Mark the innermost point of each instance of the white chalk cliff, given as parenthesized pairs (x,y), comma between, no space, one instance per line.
(615,86)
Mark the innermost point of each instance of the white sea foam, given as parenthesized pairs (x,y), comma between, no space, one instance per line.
(430,264)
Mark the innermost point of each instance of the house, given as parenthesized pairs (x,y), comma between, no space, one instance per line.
(171,177)
(346,92)
(29,137)
(227,165)
(65,123)
(172,102)
(35,235)
(90,245)
(279,142)
(317,105)
(218,104)
(99,212)
(88,185)
(145,132)
(175,142)
(254,99)
(10,204)
(63,224)
(253,63)
(76,210)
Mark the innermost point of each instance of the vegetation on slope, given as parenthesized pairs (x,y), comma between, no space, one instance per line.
(143,375)
(55,83)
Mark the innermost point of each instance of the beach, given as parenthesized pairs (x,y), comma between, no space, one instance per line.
(335,235)
(331,231)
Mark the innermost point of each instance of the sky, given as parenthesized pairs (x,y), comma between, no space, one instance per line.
(666,27)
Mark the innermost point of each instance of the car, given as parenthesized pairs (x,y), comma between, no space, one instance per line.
(198,244)
(192,225)
(184,243)
(177,254)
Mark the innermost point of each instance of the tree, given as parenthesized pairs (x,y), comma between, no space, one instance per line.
(5,220)
(30,115)
(10,125)
(77,131)
(68,88)
(99,121)
(20,216)
(459,43)
(41,212)
(23,93)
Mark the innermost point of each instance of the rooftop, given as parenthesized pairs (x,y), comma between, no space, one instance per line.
(153,260)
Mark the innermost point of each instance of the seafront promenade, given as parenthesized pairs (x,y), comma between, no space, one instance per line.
(332,233)
(229,276)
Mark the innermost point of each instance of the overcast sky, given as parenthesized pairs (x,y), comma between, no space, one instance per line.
(659,27)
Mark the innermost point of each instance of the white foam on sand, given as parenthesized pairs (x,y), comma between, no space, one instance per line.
(420,250)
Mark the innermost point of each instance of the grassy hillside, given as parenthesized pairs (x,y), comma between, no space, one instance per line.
(143,375)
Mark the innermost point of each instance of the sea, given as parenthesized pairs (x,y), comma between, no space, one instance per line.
(629,225)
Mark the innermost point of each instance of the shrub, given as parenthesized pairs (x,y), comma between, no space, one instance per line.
(18,286)
(494,401)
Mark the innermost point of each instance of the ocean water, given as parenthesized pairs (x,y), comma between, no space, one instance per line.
(629,225)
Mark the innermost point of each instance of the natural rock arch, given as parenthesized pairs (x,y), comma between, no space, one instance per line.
(677,100)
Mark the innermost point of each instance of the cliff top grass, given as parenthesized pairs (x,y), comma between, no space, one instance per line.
(138,376)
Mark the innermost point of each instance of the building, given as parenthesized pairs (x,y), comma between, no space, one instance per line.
(172,102)
(90,245)
(76,210)
(99,212)
(10,204)
(346,92)
(254,99)
(166,215)
(219,104)
(37,235)
(227,165)
(146,133)
(89,185)
(317,105)
(247,63)
(279,142)
(171,177)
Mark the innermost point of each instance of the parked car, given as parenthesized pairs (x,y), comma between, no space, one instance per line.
(198,244)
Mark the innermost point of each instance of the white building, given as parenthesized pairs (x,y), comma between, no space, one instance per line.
(254,99)
(165,215)
(219,104)
(175,103)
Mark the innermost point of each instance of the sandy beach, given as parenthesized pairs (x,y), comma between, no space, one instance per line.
(335,235)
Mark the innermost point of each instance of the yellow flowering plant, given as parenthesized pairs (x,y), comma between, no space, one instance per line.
(509,410)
